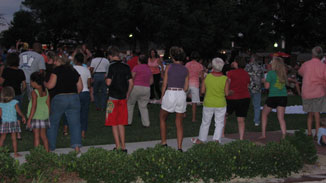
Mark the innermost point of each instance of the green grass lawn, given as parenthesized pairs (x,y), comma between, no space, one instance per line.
(99,134)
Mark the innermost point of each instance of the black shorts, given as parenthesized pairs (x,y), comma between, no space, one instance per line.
(274,102)
(240,106)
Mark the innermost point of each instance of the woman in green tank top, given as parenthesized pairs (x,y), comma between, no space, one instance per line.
(216,87)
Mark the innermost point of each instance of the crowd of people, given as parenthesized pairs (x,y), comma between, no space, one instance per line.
(61,85)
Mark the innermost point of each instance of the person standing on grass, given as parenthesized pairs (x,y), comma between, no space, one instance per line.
(14,77)
(8,109)
(196,73)
(31,61)
(84,95)
(67,84)
(143,78)
(276,81)
(239,99)
(216,87)
(120,83)
(154,63)
(256,74)
(174,87)
(314,88)
(99,68)
(39,110)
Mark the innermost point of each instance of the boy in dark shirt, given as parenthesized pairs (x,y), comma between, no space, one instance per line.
(120,84)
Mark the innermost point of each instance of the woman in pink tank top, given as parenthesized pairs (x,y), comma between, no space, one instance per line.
(154,63)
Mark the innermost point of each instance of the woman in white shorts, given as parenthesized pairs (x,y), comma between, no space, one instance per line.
(174,87)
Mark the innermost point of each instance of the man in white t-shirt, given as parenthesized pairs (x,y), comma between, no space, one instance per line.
(31,61)
(99,68)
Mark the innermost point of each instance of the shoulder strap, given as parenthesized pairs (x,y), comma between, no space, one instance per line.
(98,65)
(36,91)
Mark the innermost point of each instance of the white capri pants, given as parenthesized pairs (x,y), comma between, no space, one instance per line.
(208,113)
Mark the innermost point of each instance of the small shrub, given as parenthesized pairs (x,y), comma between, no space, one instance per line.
(305,145)
(68,161)
(159,164)
(39,162)
(8,166)
(281,159)
(98,165)
(246,156)
(208,161)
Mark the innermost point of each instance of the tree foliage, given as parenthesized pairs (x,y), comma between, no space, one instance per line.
(206,25)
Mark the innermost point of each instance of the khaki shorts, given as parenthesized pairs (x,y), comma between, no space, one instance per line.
(314,104)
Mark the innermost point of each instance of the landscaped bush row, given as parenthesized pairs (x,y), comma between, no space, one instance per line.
(163,164)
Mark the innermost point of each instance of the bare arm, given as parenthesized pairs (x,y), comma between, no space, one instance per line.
(79,85)
(108,81)
(226,89)
(203,88)
(133,75)
(165,81)
(266,85)
(2,80)
(131,85)
(52,82)
(48,103)
(89,80)
(20,113)
(186,86)
(23,85)
(33,108)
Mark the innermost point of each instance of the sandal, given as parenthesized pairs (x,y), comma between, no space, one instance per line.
(195,141)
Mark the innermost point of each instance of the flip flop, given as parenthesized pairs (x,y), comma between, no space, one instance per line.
(195,141)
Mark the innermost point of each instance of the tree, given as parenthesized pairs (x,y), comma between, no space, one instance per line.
(23,27)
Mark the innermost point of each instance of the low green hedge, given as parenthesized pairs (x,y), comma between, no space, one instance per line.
(8,166)
(210,161)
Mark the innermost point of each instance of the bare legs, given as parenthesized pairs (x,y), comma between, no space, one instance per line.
(241,126)
(119,136)
(163,115)
(310,119)
(194,106)
(14,142)
(41,133)
(280,116)
(178,124)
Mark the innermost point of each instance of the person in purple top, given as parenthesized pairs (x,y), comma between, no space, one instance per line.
(174,87)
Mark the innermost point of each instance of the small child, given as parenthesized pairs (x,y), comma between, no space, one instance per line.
(9,109)
(38,110)
(322,132)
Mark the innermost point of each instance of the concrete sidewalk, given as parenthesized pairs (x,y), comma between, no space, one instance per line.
(131,147)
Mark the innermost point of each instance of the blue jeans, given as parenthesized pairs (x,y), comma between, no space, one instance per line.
(84,107)
(256,101)
(69,105)
(99,87)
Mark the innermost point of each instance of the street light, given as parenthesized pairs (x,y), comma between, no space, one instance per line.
(275,45)
(130,35)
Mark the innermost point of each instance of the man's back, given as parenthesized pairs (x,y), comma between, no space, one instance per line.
(29,62)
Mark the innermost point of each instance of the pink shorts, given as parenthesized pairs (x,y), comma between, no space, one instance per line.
(116,113)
